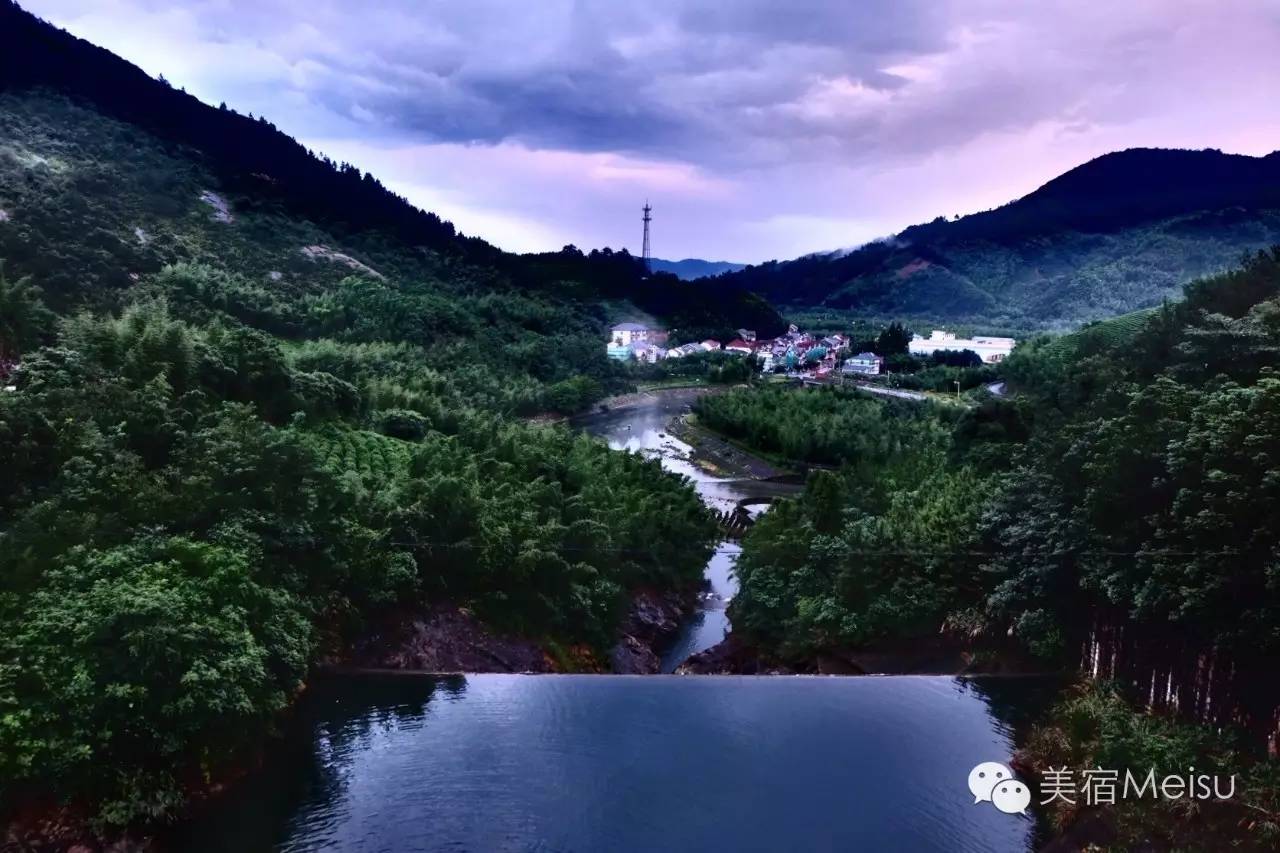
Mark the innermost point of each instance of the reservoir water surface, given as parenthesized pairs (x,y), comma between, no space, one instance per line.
(629,763)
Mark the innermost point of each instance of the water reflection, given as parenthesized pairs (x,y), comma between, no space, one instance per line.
(304,791)
(583,763)
(1015,702)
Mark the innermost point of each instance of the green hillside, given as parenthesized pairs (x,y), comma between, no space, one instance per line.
(1118,234)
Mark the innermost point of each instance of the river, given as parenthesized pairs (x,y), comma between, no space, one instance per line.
(644,428)
(560,763)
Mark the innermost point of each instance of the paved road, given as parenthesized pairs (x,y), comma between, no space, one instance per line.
(996,389)
(893,392)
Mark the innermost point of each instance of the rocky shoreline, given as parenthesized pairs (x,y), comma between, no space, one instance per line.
(443,638)
(941,655)
(447,638)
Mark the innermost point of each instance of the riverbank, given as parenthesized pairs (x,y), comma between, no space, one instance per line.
(711,453)
(715,454)
(656,395)
(645,395)
(726,479)
(724,457)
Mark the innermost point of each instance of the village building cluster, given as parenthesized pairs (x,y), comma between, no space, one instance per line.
(796,352)
(793,350)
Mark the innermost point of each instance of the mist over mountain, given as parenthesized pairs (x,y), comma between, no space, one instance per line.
(1119,233)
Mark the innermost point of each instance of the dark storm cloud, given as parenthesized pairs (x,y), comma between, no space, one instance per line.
(738,83)
(655,78)
(761,128)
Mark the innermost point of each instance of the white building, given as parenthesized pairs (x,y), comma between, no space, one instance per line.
(990,350)
(863,364)
(647,353)
(625,334)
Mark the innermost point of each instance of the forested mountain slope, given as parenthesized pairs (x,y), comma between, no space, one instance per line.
(1119,233)
(256,166)
(250,401)
(98,213)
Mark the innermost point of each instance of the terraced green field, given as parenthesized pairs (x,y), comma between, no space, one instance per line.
(1104,334)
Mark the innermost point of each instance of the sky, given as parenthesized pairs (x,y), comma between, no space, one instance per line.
(756,129)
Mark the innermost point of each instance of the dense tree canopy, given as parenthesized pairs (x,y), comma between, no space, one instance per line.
(823,426)
(1133,475)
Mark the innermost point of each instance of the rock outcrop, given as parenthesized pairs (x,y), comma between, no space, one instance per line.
(324,253)
(221,210)
(629,656)
(650,626)
(448,639)
(730,657)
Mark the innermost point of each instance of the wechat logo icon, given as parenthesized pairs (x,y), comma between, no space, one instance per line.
(993,783)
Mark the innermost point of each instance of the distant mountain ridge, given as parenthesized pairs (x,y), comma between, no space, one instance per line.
(1118,233)
(691,268)
(1123,188)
